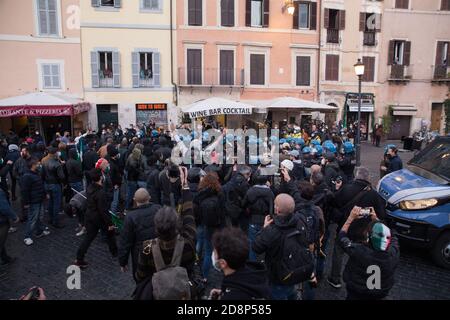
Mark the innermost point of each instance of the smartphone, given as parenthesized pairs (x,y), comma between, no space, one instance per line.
(365,212)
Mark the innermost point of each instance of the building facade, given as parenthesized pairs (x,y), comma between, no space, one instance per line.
(414,66)
(126,53)
(248,50)
(351,30)
(40,51)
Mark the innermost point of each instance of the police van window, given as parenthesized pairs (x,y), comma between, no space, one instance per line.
(435,159)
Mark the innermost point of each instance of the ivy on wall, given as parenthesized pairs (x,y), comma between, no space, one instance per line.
(387,120)
(447,115)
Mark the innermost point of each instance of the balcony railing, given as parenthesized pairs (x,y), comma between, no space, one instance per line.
(332,36)
(441,72)
(210,77)
(106,79)
(146,82)
(369,38)
(400,73)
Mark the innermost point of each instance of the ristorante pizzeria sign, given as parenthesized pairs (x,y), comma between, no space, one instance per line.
(36,111)
(219,111)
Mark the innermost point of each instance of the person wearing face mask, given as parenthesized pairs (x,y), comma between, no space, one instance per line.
(168,185)
(116,174)
(368,242)
(33,196)
(395,163)
(242,280)
(97,218)
(54,176)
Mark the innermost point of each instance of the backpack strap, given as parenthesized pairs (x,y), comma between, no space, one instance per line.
(177,252)
(157,255)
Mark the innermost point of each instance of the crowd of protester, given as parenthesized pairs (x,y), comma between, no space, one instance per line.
(174,223)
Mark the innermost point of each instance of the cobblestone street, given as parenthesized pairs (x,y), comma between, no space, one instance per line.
(44,264)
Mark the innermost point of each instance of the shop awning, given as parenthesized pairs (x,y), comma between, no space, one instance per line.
(404,111)
(42,104)
(217,106)
(292,103)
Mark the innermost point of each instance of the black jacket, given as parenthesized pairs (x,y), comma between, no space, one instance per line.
(247,283)
(298,172)
(19,167)
(269,240)
(344,200)
(53,172)
(201,210)
(97,211)
(4,170)
(331,172)
(238,186)
(258,202)
(74,172)
(138,226)
(361,256)
(90,158)
(164,188)
(115,171)
(347,165)
(32,188)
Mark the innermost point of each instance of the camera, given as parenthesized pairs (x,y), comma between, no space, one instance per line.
(365,212)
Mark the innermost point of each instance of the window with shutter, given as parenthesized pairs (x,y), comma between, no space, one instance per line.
(257,13)
(195,11)
(313,16)
(332,67)
(266,13)
(402,4)
(107,3)
(105,65)
(303,15)
(341,19)
(226,67)
(369,69)
(151,4)
(95,69)
(51,76)
(116,69)
(47,17)
(143,69)
(227,13)
(135,69)
(194,66)
(156,69)
(257,69)
(445,5)
(303,71)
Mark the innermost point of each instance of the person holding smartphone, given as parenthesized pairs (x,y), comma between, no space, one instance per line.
(373,253)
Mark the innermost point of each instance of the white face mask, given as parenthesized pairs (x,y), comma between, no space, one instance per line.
(59,154)
(215,262)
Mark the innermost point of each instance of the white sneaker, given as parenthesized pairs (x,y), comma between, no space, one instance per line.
(28,241)
(82,231)
(43,234)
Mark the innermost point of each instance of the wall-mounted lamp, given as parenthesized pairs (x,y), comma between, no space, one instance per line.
(289,7)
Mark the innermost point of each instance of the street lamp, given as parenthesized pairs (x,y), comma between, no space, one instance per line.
(289,7)
(359,71)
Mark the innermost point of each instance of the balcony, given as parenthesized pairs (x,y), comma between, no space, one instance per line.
(332,36)
(369,38)
(106,79)
(441,75)
(400,74)
(210,77)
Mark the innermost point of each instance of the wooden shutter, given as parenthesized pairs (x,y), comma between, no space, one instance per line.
(191,12)
(117,3)
(266,13)
(445,5)
(313,16)
(248,13)
(362,21)
(391,52)
(341,19)
(156,69)
(116,69)
(226,67)
(231,13)
(194,65)
(198,12)
(407,53)
(377,22)
(332,67)
(257,72)
(303,71)
(296,15)
(95,79)
(369,69)
(52,18)
(402,4)
(326,18)
(135,68)
(227,13)
(95,3)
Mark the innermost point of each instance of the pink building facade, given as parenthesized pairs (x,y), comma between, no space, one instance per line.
(40,51)
(247,50)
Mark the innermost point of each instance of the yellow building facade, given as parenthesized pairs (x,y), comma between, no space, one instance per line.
(127,61)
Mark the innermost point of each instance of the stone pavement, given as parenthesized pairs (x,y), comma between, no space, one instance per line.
(44,264)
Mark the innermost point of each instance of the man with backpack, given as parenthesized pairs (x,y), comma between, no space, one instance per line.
(285,242)
(357,193)
(235,191)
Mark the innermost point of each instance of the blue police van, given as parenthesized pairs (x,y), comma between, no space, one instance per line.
(418,200)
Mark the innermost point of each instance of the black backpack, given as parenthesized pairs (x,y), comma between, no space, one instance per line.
(294,263)
(313,224)
(232,201)
(211,212)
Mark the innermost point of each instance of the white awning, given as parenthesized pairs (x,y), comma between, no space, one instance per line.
(217,106)
(291,103)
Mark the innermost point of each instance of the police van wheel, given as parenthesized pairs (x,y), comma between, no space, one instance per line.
(441,251)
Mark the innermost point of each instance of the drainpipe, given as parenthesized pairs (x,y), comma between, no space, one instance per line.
(318,50)
(171,56)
